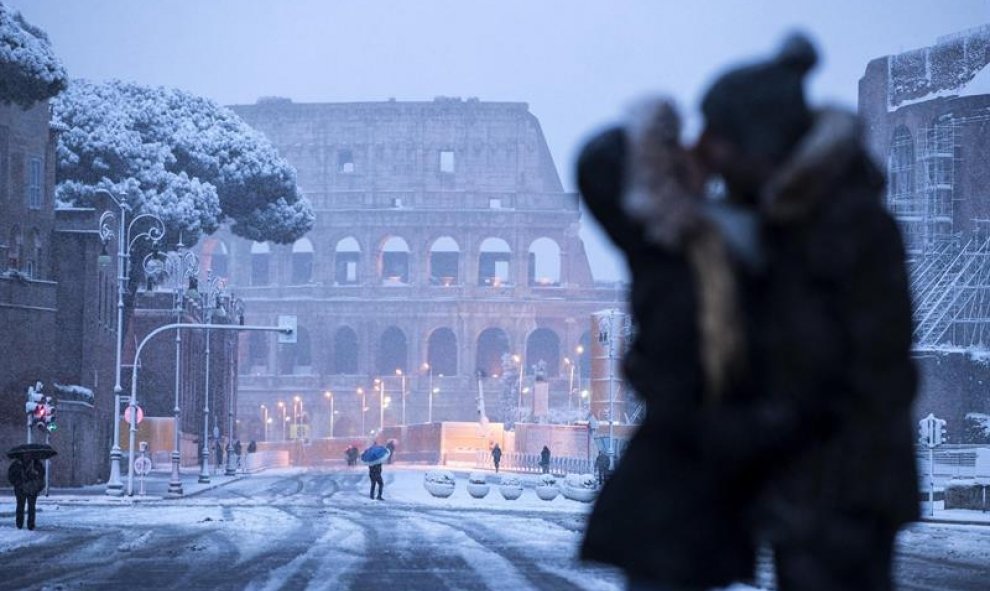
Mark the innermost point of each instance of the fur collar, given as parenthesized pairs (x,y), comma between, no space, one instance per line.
(822,157)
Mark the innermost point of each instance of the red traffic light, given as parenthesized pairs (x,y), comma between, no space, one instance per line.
(39,412)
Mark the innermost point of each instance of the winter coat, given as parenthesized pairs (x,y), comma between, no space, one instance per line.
(375,471)
(545,457)
(27,476)
(252,447)
(667,508)
(839,339)
(237,447)
(497,454)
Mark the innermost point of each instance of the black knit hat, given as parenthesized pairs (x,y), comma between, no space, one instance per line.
(761,106)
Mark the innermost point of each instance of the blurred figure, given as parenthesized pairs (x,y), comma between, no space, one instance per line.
(545,459)
(838,435)
(601,467)
(669,515)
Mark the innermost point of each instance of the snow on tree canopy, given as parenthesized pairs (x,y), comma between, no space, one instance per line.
(183,157)
(29,70)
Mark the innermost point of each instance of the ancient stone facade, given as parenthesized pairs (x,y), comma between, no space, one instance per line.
(443,240)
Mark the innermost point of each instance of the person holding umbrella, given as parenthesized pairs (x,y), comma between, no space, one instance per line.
(375,456)
(27,475)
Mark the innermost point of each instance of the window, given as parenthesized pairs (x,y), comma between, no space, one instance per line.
(494,204)
(302,261)
(397,202)
(345,161)
(447,161)
(260,254)
(346,257)
(34,183)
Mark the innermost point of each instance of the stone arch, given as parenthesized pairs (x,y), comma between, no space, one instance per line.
(297,358)
(393,261)
(493,343)
(345,351)
(393,350)
(441,352)
(543,344)
(494,262)
(261,257)
(214,256)
(445,255)
(347,258)
(544,262)
(302,261)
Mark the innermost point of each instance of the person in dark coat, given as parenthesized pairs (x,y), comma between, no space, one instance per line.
(375,474)
(496,456)
(670,515)
(237,452)
(252,447)
(390,446)
(219,455)
(838,341)
(27,475)
(545,459)
(601,467)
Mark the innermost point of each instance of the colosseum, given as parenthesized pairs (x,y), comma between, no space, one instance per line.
(445,255)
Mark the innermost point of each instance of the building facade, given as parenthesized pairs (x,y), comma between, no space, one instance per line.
(927,118)
(444,241)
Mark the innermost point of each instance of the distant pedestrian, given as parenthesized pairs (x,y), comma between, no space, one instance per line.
(601,467)
(219,452)
(375,474)
(252,447)
(545,460)
(390,446)
(27,475)
(496,456)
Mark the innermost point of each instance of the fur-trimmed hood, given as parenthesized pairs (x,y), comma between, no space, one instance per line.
(822,158)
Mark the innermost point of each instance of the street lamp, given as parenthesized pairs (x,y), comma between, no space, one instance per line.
(402,376)
(380,383)
(329,396)
(210,302)
(281,406)
(181,265)
(570,386)
(522,371)
(126,240)
(429,372)
(264,421)
(364,409)
(579,351)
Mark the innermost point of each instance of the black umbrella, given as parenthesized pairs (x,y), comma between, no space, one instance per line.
(42,451)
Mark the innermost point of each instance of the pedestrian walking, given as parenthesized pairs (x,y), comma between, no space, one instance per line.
(218,449)
(375,474)
(496,456)
(545,459)
(237,452)
(26,474)
(390,446)
(667,508)
(839,367)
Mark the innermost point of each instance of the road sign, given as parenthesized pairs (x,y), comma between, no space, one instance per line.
(128,413)
(290,322)
(142,466)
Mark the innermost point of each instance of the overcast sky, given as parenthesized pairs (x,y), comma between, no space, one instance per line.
(578,63)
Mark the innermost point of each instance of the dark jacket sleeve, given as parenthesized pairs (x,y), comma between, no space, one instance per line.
(15,473)
(601,180)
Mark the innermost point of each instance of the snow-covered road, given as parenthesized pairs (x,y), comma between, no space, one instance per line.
(300,529)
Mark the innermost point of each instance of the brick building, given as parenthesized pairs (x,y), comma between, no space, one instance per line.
(443,240)
(927,116)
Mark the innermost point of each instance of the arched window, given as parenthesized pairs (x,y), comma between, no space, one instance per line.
(544,262)
(347,254)
(543,345)
(261,255)
(345,351)
(392,349)
(445,256)
(442,352)
(394,262)
(296,358)
(258,350)
(493,343)
(493,262)
(302,261)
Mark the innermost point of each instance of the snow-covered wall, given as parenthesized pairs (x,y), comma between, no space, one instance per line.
(955,66)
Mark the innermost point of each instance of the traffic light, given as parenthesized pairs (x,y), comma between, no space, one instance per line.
(35,406)
(940,435)
(924,433)
(50,421)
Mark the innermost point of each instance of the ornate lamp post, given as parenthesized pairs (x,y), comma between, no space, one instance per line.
(281,406)
(210,302)
(127,238)
(570,385)
(181,265)
(236,309)
(364,410)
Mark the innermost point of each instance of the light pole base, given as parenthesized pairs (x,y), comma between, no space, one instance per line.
(175,484)
(115,487)
(230,469)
